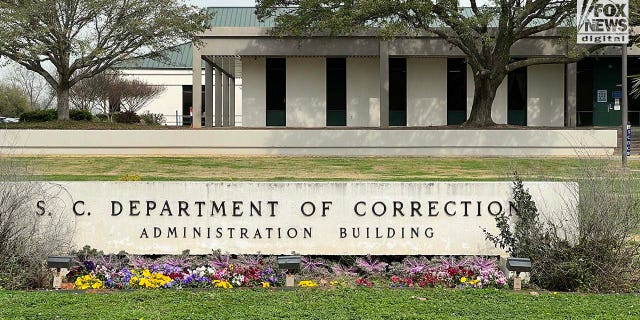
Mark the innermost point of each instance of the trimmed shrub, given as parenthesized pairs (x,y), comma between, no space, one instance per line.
(39,115)
(80,115)
(126,117)
(102,117)
(152,119)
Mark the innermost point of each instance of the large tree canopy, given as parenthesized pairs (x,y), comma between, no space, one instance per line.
(82,38)
(484,33)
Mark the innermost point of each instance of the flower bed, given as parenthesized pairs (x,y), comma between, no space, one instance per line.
(222,271)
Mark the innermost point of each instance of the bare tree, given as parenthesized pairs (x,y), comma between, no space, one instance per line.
(109,93)
(136,94)
(90,94)
(33,86)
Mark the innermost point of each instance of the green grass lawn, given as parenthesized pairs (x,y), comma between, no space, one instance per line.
(316,304)
(312,168)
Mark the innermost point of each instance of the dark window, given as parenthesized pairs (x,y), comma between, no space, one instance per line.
(276,91)
(517,97)
(584,93)
(336,92)
(397,92)
(456,91)
(187,103)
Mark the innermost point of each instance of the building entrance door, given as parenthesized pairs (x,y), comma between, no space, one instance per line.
(606,89)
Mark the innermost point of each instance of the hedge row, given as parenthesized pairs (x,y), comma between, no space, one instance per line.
(52,115)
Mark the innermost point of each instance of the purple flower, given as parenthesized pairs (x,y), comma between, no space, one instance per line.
(312,266)
(341,270)
(89,265)
(414,265)
(220,261)
(125,274)
(371,265)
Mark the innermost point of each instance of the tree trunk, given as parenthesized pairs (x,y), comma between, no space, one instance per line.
(63,102)
(483,96)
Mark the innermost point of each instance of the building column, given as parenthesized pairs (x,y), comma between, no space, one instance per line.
(384,84)
(571,100)
(232,102)
(218,97)
(197,88)
(225,100)
(208,94)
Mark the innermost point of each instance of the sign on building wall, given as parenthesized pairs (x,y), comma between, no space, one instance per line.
(603,21)
(333,218)
(602,96)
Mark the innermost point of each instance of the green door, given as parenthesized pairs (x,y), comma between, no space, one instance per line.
(606,78)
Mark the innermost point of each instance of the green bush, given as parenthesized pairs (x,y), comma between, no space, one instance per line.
(12,102)
(126,117)
(589,249)
(39,115)
(102,117)
(80,115)
(153,119)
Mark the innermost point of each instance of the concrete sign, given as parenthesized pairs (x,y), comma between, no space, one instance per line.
(603,21)
(332,218)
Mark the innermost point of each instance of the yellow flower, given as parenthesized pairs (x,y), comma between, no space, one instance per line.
(221,284)
(463,279)
(334,283)
(307,284)
(266,284)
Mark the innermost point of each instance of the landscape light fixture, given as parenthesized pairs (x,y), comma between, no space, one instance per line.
(518,265)
(59,263)
(291,264)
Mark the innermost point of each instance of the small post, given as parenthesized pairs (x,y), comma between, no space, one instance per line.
(290,281)
(628,139)
(58,263)
(625,105)
(518,265)
(517,282)
(291,264)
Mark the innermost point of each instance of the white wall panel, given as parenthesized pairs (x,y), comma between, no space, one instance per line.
(306,92)
(426,92)
(363,92)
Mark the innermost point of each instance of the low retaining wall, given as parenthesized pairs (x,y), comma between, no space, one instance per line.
(338,142)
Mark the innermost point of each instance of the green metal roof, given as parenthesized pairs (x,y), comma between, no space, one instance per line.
(179,57)
(237,17)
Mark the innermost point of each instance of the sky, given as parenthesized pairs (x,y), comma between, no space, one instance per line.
(223,3)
